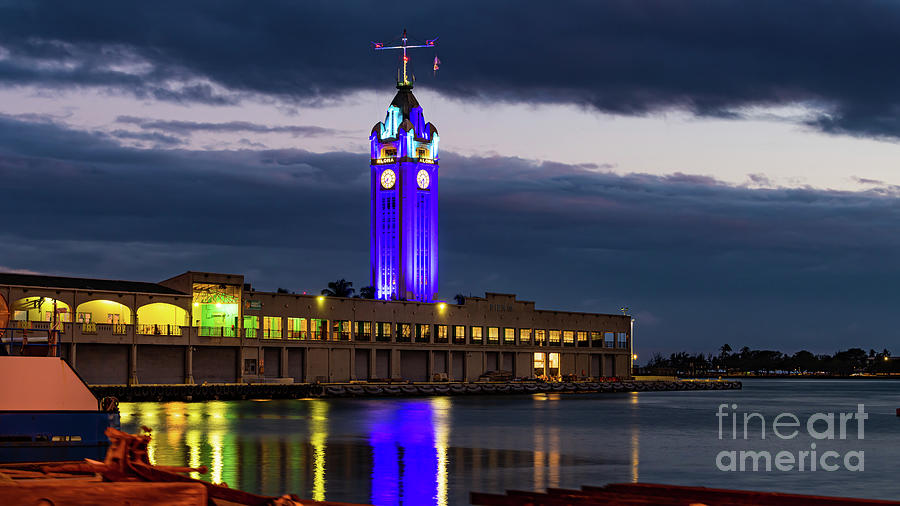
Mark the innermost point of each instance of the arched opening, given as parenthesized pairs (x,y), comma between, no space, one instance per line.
(102,311)
(161,318)
(40,309)
(4,318)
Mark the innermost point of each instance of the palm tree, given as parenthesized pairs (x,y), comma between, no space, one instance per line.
(460,299)
(339,288)
(367,292)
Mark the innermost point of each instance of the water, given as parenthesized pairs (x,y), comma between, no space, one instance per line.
(437,450)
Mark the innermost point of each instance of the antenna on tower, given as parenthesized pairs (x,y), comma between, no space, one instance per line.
(407,79)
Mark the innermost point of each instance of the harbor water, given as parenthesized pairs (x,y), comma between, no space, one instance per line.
(436,450)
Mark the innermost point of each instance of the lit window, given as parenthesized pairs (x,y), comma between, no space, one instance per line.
(554,338)
(568,338)
(383,332)
(509,336)
(296,328)
(251,323)
(459,334)
(475,335)
(539,364)
(524,336)
(540,337)
(363,331)
(405,335)
(318,329)
(493,335)
(553,359)
(423,333)
(441,334)
(271,327)
(582,338)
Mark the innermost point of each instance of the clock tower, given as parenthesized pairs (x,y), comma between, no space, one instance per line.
(404,207)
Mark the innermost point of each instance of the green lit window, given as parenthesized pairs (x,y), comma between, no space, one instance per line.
(318,329)
(251,324)
(296,328)
(524,336)
(216,308)
(509,336)
(493,335)
(568,338)
(475,335)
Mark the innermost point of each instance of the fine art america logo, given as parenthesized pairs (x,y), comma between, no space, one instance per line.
(789,431)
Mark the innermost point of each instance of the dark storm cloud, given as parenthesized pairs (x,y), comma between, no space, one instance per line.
(701,262)
(628,57)
(189,127)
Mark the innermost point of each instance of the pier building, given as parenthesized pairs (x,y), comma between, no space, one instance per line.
(203,327)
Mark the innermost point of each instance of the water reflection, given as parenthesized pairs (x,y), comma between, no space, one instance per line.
(387,452)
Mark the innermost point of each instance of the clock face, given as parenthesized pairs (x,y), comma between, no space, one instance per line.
(387,179)
(423,179)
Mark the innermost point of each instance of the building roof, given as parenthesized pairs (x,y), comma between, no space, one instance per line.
(104,285)
(405,100)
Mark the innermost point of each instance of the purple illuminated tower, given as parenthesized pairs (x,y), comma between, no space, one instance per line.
(404,214)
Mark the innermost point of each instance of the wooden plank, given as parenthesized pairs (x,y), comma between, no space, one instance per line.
(131,493)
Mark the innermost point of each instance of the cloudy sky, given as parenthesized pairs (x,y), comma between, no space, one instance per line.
(728,170)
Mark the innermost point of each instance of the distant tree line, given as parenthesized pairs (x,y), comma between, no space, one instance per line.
(769,362)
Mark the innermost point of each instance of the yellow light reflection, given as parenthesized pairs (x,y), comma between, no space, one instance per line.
(553,458)
(215,442)
(635,453)
(441,409)
(635,442)
(192,440)
(538,457)
(318,428)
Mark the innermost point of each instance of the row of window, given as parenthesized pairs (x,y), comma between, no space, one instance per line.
(316,329)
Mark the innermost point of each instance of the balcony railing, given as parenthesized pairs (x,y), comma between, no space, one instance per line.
(153,329)
(217,331)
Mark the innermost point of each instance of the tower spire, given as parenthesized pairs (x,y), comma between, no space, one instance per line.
(407,79)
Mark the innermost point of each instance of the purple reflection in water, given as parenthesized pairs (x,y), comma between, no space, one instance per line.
(405,464)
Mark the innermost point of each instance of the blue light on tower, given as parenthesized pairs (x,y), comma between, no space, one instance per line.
(404,206)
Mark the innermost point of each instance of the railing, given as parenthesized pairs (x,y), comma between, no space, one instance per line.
(271,333)
(154,329)
(216,332)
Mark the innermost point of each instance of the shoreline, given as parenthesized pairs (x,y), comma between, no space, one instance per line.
(238,391)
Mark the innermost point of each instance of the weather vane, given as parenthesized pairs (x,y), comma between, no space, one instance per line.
(380,46)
